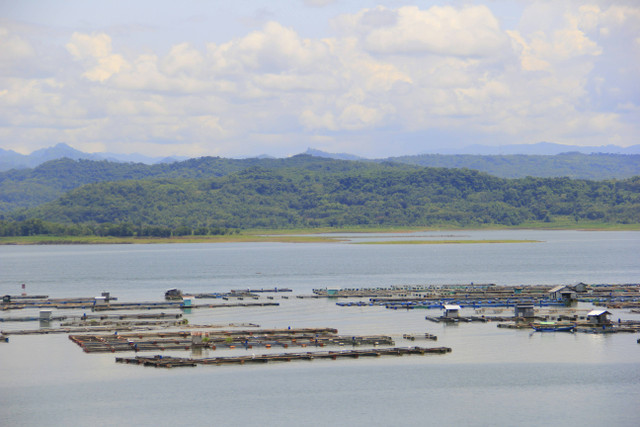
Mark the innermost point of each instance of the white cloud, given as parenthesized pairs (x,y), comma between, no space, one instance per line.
(13,47)
(455,71)
(469,31)
(273,49)
(95,51)
(318,3)
(183,59)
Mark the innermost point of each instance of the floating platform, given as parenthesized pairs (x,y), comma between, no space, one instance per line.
(95,317)
(185,340)
(426,336)
(172,362)
(90,304)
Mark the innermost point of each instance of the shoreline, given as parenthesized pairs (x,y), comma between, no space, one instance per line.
(312,235)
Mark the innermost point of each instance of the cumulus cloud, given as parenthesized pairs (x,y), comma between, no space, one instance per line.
(275,48)
(469,31)
(449,70)
(95,51)
(13,47)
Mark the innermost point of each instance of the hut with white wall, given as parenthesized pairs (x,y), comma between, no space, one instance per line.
(524,310)
(599,317)
(563,293)
(451,311)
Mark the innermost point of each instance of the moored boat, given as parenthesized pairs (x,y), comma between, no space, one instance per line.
(553,327)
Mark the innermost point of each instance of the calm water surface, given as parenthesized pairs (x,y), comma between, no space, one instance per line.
(493,376)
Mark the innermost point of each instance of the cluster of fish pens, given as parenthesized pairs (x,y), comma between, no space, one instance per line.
(246,339)
(542,308)
(487,295)
(227,339)
(528,303)
(174,299)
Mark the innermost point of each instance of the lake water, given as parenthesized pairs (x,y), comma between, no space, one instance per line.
(493,377)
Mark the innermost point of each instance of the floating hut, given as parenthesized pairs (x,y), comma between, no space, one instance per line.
(100,301)
(333,291)
(599,317)
(451,311)
(563,293)
(173,294)
(524,310)
(580,287)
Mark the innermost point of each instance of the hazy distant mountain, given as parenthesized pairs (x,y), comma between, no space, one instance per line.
(540,148)
(9,159)
(337,156)
(595,166)
(139,158)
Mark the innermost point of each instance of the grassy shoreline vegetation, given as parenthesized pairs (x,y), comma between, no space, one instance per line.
(444,242)
(317,235)
(105,240)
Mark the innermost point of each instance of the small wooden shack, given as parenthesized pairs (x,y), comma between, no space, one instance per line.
(333,291)
(173,294)
(100,301)
(524,310)
(599,317)
(580,287)
(563,293)
(451,311)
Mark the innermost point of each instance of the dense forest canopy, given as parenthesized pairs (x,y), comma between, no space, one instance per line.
(597,166)
(311,192)
(27,188)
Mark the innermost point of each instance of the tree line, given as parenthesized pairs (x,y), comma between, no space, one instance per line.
(38,227)
(373,196)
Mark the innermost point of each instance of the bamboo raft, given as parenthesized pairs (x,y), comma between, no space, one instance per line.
(96,317)
(234,293)
(90,304)
(171,362)
(426,336)
(164,305)
(218,340)
(79,329)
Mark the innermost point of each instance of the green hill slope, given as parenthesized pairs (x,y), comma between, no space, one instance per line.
(597,166)
(27,188)
(370,196)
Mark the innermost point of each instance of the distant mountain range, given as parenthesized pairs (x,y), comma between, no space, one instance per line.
(540,148)
(10,159)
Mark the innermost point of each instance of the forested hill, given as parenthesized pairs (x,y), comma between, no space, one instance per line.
(24,188)
(597,166)
(314,196)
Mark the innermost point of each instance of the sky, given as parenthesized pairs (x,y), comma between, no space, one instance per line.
(371,78)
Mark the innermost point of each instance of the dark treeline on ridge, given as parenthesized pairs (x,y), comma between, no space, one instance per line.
(25,188)
(306,191)
(596,166)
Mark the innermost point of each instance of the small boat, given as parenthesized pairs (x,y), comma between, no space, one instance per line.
(553,327)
